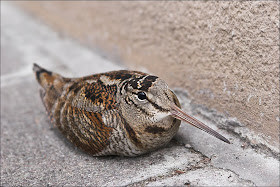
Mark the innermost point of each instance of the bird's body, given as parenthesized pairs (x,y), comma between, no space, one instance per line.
(124,113)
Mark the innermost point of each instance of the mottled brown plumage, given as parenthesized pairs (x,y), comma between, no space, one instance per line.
(124,113)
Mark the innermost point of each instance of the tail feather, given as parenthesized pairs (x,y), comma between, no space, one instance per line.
(44,77)
(52,84)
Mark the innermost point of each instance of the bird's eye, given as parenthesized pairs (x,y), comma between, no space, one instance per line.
(141,95)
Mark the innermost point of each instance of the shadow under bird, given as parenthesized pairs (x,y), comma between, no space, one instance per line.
(126,113)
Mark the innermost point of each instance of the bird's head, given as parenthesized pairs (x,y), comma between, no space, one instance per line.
(149,104)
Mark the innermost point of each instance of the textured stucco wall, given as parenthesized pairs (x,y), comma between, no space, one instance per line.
(226,54)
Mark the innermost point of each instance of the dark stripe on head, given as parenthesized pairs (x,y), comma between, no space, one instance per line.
(157,106)
(142,109)
(148,82)
(134,81)
(145,84)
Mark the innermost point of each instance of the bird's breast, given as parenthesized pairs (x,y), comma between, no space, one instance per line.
(157,134)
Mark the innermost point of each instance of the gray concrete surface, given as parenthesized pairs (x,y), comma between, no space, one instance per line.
(33,152)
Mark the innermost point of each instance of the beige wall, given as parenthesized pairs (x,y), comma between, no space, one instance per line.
(226,54)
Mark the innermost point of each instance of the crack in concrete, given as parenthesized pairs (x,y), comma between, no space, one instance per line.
(258,148)
(173,172)
(246,180)
(231,125)
(204,163)
(210,165)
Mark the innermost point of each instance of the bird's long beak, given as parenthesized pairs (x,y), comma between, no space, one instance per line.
(176,112)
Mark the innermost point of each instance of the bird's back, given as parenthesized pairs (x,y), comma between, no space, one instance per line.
(69,110)
(85,110)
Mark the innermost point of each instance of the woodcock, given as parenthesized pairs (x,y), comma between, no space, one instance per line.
(125,113)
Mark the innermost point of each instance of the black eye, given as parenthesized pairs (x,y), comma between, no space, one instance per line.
(141,95)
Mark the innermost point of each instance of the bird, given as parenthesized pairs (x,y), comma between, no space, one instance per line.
(125,113)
